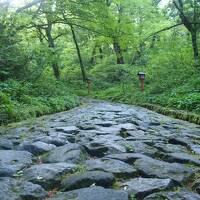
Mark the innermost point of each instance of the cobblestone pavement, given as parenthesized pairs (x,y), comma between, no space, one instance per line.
(101,151)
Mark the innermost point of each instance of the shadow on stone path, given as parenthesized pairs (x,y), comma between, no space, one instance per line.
(101,151)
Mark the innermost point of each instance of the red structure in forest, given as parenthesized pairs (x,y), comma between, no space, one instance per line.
(141,76)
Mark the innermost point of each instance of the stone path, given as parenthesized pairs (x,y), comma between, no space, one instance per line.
(101,151)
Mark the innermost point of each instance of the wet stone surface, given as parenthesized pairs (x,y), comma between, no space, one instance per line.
(141,187)
(101,151)
(93,193)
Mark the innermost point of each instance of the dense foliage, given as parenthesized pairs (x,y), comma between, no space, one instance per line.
(49,49)
(22,100)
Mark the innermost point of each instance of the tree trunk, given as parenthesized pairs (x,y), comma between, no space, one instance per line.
(195,47)
(118,52)
(153,42)
(108,2)
(79,54)
(93,59)
(101,53)
(56,70)
(136,57)
(138,53)
(191,26)
(51,43)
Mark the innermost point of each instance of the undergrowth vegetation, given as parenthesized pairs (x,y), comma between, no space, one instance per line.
(168,87)
(171,80)
(23,100)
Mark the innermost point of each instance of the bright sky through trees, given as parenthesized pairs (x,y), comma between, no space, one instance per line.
(15,3)
(164,3)
(18,3)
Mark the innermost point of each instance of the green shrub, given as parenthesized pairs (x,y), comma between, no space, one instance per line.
(169,82)
(19,101)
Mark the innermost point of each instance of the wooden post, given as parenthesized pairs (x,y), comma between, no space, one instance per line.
(89,86)
(142,84)
(141,76)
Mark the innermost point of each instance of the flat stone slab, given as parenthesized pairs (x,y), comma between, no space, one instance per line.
(141,187)
(195,149)
(182,158)
(114,130)
(182,195)
(55,140)
(160,169)
(96,149)
(140,147)
(86,125)
(48,175)
(68,129)
(60,138)
(12,189)
(106,123)
(104,145)
(170,148)
(82,180)
(37,148)
(117,167)
(126,157)
(70,153)
(180,141)
(6,144)
(93,193)
(12,161)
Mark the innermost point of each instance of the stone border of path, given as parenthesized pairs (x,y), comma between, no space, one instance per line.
(177,114)
(186,116)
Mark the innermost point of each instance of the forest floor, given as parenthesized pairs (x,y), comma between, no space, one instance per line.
(101,151)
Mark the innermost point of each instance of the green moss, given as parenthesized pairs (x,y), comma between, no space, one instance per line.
(129,148)
(19,174)
(133,197)
(124,134)
(187,116)
(117,185)
(80,168)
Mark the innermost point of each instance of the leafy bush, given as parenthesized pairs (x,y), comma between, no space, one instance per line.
(170,82)
(20,101)
(186,102)
(110,73)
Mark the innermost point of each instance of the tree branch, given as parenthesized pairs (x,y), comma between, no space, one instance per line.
(164,29)
(184,19)
(59,35)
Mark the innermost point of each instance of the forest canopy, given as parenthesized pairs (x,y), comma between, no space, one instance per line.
(49,49)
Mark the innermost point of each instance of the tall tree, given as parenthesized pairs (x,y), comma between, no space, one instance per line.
(189,13)
(44,21)
(78,53)
(51,42)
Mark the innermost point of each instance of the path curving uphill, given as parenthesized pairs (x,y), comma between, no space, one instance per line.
(101,151)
